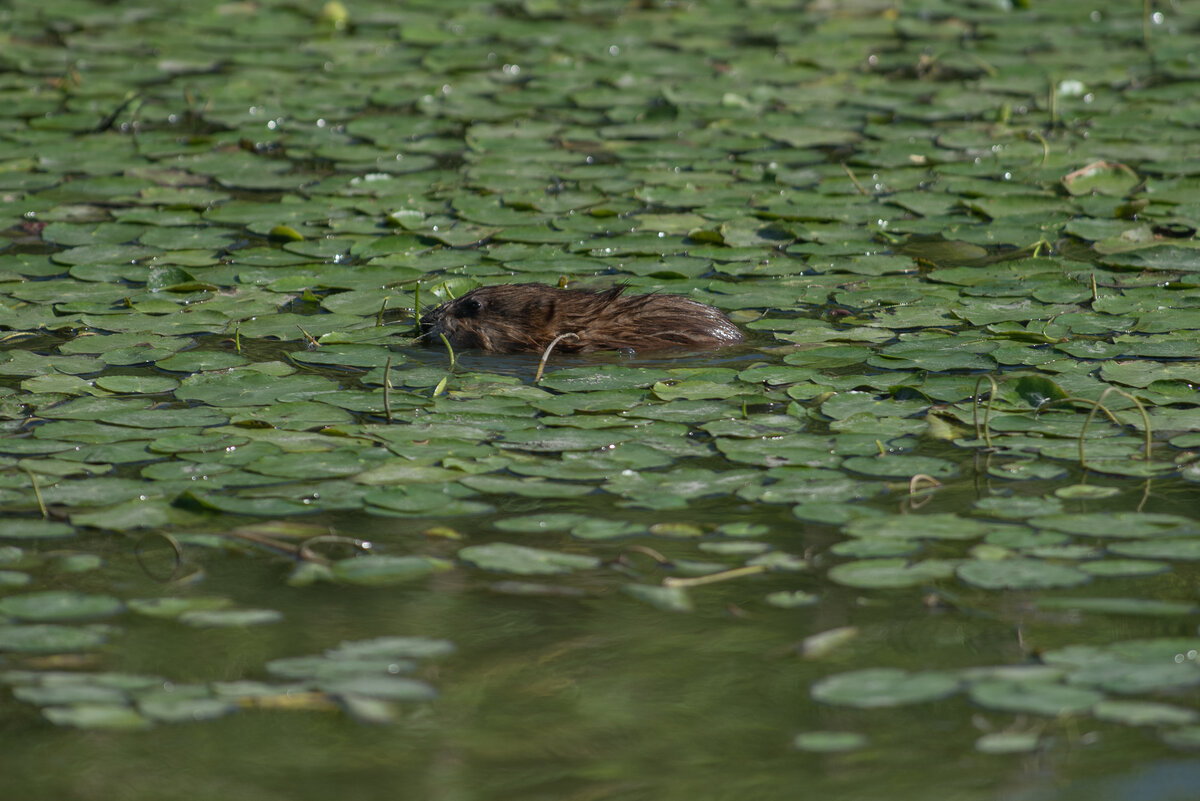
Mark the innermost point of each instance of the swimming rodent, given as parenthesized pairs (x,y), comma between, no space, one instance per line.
(515,318)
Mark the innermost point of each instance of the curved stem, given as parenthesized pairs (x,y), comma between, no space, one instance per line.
(922,480)
(987,437)
(449,349)
(546,354)
(1100,405)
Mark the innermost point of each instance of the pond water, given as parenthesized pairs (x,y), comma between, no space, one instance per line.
(932,531)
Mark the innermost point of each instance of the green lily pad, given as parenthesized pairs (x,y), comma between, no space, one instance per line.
(391,688)
(668,599)
(1120,606)
(881,573)
(386,570)
(1019,574)
(35,530)
(1101,178)
(49,638)
(393,647)
(1144,713)
(52,605)
(829,742)
(884,687)
(941,526)
(1169,549)
(1032,697)
(111,717)
(229,618)
(168,709)
(249,388)
(1124,525)
(1008,743)
(502,557)
(174,607)
(1125,567)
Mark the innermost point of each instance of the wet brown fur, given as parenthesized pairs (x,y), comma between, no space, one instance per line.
(513,318)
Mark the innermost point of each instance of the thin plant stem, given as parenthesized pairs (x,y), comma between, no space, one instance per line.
(387,389)
(417,310)
(922,481)
(1112,418)
(1100,404)
(1045,147)
(854,180)
(313,344)
(713,578)
(987,436)
(37,493)
(450,350)
(546,353)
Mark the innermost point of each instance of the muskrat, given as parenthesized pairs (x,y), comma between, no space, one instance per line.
(513,318)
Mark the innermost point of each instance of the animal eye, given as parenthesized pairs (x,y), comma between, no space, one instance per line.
(471,307)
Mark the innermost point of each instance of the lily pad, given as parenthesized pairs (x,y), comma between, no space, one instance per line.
(112,717)
(502,557)
(829,742)
(229,618)
(1101,178)
(884,687)
(57,605)
(880,573)
(385,570)
(1019,574)
(1036,698)
(50,638)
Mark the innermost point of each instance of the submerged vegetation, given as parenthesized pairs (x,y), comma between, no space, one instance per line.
(954,464)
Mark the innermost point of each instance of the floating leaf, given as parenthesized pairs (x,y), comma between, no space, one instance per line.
(174,607)
(669,599)
(49,638)
(829,742)
(882,687)
(935,526)
(1120,606)
(113,717)
(384,570)
(502,557)
(1019,574)
(880,573)
(1032,697)
(1101,178)
(390,688)
(54,605)
(1144,713)
(35,530)
(1008,743)
(229,618)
